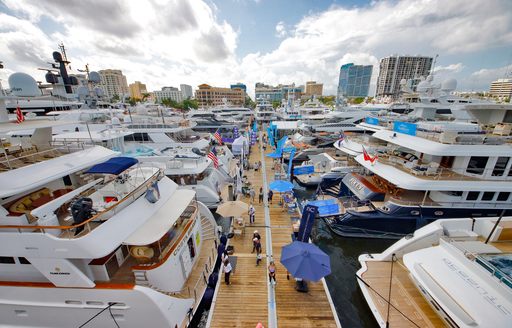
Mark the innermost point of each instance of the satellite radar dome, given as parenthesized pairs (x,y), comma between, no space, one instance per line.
(51,78)
(94,77)
(57,56)
(73,80)
(449,85)
(82,91)
(116,121)
(422,86)
(430,78)
(23,85)
(99,91)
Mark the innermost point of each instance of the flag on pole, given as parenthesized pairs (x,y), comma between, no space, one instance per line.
(218,137)
(213,156)
(367,157)
(19,115)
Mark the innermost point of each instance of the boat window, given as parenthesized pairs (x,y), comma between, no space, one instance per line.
(6,260)
(454,193)
(503,196)
(488,195)
(23,260)
(477,164)
(499,168)
(138,136)
(472,195)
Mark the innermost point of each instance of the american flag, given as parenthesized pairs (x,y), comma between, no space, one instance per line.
(19,115)
(213,156)
(218,137)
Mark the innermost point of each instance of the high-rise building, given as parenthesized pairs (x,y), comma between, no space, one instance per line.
(239,85)
(501,88)
(277,93)
(137,89)
(168,93)
(394,69)
(314,89)
(113,83)
(207,95)
(186,91)
(354,81)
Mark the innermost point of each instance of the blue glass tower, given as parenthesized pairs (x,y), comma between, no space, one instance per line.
(354,81)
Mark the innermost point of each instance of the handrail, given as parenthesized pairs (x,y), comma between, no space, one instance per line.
(169,252)
(146,184)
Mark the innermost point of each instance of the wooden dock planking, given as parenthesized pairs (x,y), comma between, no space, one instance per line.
(244,303)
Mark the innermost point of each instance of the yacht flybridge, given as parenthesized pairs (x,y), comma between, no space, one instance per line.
(453,273)
(85,231)
(431,170)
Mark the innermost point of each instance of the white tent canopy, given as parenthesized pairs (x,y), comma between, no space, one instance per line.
(240,144)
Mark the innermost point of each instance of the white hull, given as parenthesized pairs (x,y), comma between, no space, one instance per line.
(72,307)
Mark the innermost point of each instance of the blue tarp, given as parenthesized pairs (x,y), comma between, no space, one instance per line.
(326,207)
(114,165)
(303,169)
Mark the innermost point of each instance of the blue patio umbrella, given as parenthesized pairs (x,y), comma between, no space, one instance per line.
(306,261)
(281,186)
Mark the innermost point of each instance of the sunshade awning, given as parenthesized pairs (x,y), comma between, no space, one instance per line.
(114,165)
(160,223)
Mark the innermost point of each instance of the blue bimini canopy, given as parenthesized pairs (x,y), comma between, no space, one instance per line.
(114,165)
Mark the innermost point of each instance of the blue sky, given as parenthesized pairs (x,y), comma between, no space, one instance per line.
(168,42)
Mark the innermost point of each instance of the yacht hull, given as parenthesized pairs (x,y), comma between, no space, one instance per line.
(378,224)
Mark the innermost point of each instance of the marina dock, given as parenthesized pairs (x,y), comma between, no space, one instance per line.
(250,299)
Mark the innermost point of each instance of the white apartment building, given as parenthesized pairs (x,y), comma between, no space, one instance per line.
(168,93)
(501,88)
(186,91)
(113,82)
(395,68)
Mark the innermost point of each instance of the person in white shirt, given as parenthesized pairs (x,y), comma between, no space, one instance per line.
(227,271)
(252,214)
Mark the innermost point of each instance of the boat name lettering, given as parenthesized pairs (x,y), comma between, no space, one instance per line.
(354,182)
(57,271)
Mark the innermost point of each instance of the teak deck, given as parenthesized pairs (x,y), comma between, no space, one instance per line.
(245,302)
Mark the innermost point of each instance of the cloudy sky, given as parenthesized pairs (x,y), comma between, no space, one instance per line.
(168,42)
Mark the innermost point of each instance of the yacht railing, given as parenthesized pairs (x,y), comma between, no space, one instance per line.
(432,170)
(171,247)
(23,156)
(467,204)
(502,276)
(111,210)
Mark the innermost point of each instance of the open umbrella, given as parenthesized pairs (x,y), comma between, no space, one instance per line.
(232,208)
(281,186)
(306,261)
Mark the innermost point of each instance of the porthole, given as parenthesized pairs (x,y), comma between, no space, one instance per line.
(415,212)
(438,213)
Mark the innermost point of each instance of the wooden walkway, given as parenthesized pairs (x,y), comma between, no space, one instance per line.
(249,298)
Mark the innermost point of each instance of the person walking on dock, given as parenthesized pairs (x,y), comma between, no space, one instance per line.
(256,239)
(252,194)
(272,273)
(227,271)
(252,214)
(260,196)
(270,194)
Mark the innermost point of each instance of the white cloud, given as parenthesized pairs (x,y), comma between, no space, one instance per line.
(281,30)
(452,68)
(492,74)
(167,42)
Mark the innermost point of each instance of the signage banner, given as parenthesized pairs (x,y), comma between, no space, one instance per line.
(306,222)
(303,169)
(372,120)
(290,162)
(404,127)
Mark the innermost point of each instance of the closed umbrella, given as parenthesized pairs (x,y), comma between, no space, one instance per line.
(306,261)
(281,186)
(232,208)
